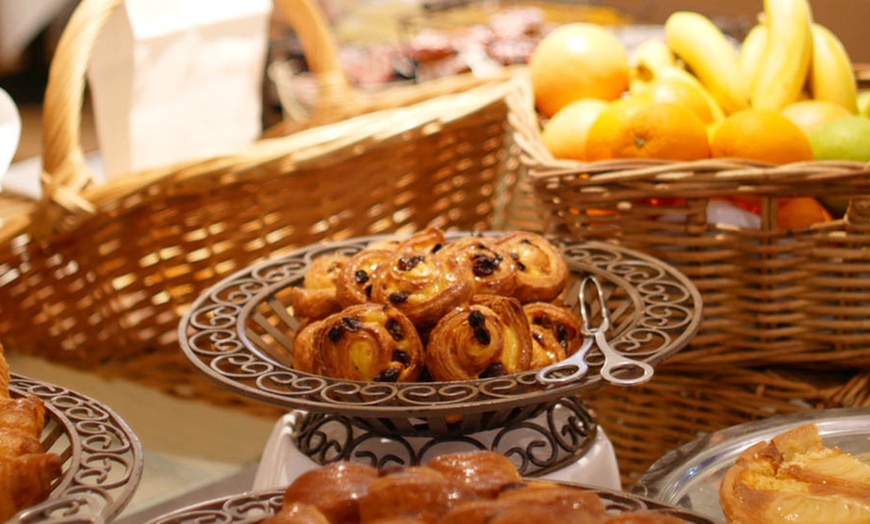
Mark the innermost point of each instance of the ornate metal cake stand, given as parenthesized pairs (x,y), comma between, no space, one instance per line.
(102,457)
(240,334)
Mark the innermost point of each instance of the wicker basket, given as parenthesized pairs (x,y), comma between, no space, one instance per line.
(771,295)
(679,405)
(97,276)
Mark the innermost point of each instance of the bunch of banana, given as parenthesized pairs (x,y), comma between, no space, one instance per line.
(784,58)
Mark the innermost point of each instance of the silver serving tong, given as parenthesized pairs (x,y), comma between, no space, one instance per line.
(576,366)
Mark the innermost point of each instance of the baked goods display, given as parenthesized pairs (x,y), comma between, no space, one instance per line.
(794,478)
(425,307)
(474,487)
(27,472)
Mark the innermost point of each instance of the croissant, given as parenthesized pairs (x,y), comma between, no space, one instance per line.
(26,414)
(14,443)
(334,489)
(354,284)
(423,286)
(494,271)
(370,342)
(416,492)
(556,332)
(541,269)
(26,480)
(316,298)
(487,338)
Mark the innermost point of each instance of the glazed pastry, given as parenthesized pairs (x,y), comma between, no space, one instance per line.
(297,513)
(494,271)
(14,442)
(583,506)
(423,286)
(488,338)
(354,285)
(541,269)
(556,333)
(316,299)
(26,414)
(306,352)
(429,240)
(26,480)
(334,489)
(483,473)
(795,479)
(370,342)
(415,492)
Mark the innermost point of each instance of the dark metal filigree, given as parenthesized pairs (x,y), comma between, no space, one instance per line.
(240,335)
(249,508)
(102,457)
(538,445)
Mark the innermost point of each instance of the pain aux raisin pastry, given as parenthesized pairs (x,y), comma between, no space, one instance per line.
(556,332)
(795,479)
(541,269)
(487,338)
(480,305)
(474,487)
(27,472)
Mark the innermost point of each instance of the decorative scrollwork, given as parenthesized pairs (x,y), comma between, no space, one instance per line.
(102,456)
(240,335)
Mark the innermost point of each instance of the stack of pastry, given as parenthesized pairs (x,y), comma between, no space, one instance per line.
(473,487)
(424,307)
(794,479)
(26,470)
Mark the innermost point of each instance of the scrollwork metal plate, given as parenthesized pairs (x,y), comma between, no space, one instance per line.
(102,457)
(249,508)
(240,333)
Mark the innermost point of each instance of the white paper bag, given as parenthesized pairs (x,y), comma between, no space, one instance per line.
(174,80)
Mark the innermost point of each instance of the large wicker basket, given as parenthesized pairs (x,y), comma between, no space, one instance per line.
(97,276)
(771,295)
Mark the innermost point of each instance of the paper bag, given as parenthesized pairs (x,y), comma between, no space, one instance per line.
(174,80)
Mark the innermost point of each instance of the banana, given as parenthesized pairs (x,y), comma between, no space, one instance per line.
(679,74)
(831,77)
(709,55)
(786,61)
(751,51)
(650,56)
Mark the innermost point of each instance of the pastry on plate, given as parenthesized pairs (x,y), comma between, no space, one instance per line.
(556,333)
(334,490)
(316,298)
(369,342)
(493,269)
(354,285)
(488,338)
(542,272)
(423,286)
(795,479)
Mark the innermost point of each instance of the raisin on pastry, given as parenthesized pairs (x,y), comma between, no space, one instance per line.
(542,272)
(556,333)
(493,269)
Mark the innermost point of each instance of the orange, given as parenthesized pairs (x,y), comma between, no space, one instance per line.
(810,115)
(574,61)
(648,130)
(682,93)
(564,135)
(761,135)
(800,212)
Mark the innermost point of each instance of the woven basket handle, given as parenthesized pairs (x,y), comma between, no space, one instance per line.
(65,173)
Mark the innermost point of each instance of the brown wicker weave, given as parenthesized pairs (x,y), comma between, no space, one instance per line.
(771,295)
(97,275)
(679,405)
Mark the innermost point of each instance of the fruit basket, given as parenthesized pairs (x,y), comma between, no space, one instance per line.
(102,457)
(256,506)
(780,287)
(240,335)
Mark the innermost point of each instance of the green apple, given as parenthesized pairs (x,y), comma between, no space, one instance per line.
(843,139)
(864,103)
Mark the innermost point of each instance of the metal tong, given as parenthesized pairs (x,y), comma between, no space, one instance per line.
(575,367)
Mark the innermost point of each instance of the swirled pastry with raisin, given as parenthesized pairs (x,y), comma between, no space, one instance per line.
(541,269)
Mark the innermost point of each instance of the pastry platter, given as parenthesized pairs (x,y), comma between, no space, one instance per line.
(689,476)
(102,457)
(255,506)
(240,334)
